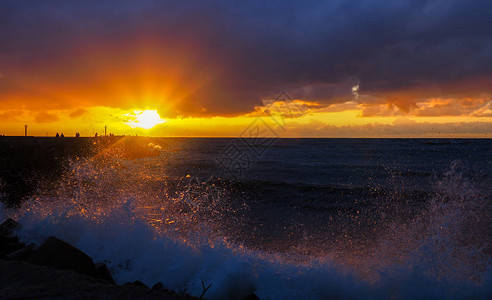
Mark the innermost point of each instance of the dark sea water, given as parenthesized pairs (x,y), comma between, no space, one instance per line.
(286,218)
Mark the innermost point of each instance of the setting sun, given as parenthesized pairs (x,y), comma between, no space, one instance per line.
(145,119)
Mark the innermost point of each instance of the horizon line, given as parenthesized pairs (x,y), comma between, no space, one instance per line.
(237,137)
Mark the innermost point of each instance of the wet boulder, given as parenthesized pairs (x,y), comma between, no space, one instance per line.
(9,245)
(8,242)
(21,254)
(103,272)
(8,227)
(158,287)
(61,255)
(251,296)
(136,283)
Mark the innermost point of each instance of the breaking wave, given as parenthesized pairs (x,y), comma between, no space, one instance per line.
(148,226)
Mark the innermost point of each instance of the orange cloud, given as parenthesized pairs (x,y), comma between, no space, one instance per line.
(432,107)
(399,129)
(45,117)
(11,115)
(77,112)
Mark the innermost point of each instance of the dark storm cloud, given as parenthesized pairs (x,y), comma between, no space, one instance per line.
(316,50)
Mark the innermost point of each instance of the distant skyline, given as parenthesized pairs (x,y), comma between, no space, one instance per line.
(210,68)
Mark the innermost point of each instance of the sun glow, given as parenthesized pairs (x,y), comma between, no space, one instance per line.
(145,119)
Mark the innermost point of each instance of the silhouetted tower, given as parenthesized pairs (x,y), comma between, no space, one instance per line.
(105,129)
(25,130)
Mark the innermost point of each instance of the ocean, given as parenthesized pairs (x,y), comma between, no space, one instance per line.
(283,218)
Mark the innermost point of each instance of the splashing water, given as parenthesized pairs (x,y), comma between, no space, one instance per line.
(148,225)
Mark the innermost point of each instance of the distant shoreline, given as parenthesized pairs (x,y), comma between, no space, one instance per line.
(236,137)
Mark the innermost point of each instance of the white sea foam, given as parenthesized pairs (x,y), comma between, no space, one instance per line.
(132,250)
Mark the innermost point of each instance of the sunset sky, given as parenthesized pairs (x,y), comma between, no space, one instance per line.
(212,68)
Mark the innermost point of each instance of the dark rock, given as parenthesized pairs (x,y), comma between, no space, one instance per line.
(169,292)
(104,273)
(139,283)
(21,280)
(251,296)
(61,255)
(21,254)
(8,226)
(158,287)
(9,245)
(136,283)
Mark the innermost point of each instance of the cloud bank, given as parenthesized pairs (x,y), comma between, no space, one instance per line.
(208,58)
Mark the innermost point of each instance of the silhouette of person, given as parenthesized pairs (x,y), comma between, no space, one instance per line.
(62,135)
(57,135)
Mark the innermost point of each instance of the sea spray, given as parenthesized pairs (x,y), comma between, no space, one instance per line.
(145,225)
(132,251)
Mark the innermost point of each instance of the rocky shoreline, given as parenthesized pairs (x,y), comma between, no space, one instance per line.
(58,270)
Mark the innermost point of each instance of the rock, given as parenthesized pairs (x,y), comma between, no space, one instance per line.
(103,272)
(158,287)
(21,254)
(61,255)
(9,245)
(8,227)
(139,283)
(251,296)
(136,283)
(8,242)
(21,280)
